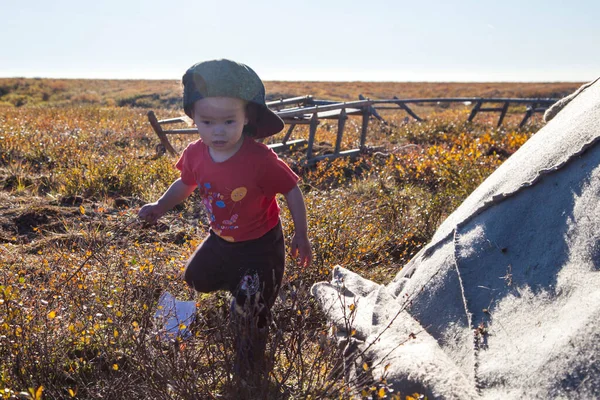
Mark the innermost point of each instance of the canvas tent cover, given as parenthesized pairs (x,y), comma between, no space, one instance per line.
(504,301)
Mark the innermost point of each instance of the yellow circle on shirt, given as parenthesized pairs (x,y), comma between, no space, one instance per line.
(239,193)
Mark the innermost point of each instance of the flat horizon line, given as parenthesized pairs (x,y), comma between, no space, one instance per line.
(307,80)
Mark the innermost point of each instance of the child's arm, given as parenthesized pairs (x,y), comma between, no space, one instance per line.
(300,243)
(175,194)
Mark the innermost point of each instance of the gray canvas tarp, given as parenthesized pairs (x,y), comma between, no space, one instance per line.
(504,301)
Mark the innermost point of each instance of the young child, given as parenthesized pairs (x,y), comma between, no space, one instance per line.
(238,179)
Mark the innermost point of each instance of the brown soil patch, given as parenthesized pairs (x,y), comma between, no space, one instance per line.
(34,224)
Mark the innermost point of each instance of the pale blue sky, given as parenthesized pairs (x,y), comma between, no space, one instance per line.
(356,40)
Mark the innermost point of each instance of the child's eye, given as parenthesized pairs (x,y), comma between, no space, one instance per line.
(205,122)
(230,121)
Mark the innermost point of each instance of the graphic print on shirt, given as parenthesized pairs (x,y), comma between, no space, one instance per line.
(214,200)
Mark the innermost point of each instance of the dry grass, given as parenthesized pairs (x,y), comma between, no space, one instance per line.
(80,275)
(346,91)
(167,93)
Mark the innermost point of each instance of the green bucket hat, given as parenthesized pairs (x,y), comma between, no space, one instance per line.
(226,78)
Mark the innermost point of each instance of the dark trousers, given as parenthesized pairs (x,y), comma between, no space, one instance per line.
(252,271)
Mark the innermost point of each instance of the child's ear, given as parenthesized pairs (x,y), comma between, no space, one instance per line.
(251,111)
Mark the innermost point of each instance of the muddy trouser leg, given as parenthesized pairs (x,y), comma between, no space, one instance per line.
(250,329)
(254,296)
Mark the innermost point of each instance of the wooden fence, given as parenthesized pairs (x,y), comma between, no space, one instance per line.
(306,110)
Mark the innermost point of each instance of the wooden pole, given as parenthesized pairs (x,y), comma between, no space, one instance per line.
(373,110)
(314,121)
(288,133)
(159,132)
(171,121)
(341,124)
(408,110)
(184,131)
(310,110)
(365,124)
(547,101)
(347,153)
(474,110)
(530,109)
(503,113)
(290,101)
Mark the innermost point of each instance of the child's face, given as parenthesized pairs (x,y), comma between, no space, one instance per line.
(220,122)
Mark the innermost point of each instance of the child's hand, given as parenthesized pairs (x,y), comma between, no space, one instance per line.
(151,212)
(301,249)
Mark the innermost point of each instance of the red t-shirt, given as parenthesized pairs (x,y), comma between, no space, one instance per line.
(238,193)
